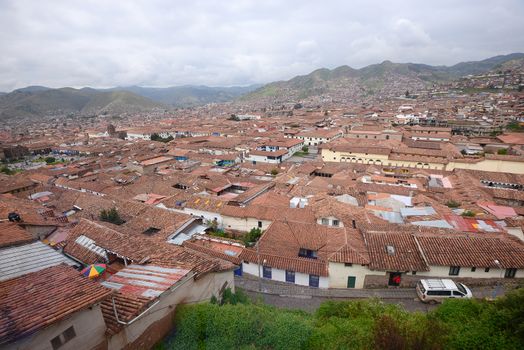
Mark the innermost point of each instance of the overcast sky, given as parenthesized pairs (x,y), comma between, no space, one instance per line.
(229,42)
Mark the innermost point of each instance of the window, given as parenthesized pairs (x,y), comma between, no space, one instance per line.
(266,272)
(473,269)
(413,272)
(454,270)
(348,264)
(510,273)
(439,292)
(307,253)
(325,221)
(457,294)
(61,339)
(290,276)
(313,281)
(486,269)
(335,222)
(260,224)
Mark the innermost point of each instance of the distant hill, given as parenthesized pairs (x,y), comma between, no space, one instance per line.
(189,95)
(385,79)
(37,101)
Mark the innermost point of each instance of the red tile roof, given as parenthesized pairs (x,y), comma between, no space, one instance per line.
(12,234)
(36,300)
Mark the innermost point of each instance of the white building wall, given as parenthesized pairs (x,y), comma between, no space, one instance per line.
(443,271)
(280,275)
(243,224)
(339,273)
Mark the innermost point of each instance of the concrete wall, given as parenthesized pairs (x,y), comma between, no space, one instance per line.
(134,336)
(89,327)
(339,273)
(280,275)
(243,224)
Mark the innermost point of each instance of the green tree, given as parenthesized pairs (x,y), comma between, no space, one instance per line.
(4,169)
(502,151)
(305,149)
(274,171)
(111,216)
(50,160)
(252,236)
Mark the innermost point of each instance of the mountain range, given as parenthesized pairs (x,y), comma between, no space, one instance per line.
(385,79)
(40,100)
(342,83)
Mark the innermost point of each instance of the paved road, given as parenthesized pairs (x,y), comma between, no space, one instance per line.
(292,296)
(311,303)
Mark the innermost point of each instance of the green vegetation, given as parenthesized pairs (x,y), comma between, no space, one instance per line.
(252,236)
(50,160)
(468,213)
(274,171)
(502,151)
(235,323)
(156,137)
(305,149)
(452,204)
(5,170)
(515,127)
(111,216)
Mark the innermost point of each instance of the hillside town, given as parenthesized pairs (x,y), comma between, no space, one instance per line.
(177,207)
(261,175)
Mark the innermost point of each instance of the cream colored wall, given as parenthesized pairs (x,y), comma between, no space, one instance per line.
(338,274)
(501,166)
(89,327)
(243,224)
(192,291)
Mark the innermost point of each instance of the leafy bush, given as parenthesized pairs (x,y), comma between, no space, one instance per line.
(111,216)
(468,213)
(6,170)
(452,204)
(502,151)
(156,137)
(252,236)
(362,324)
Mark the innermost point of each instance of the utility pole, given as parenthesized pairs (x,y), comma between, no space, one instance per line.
(258,258)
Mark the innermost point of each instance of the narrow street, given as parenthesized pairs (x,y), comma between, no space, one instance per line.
(305,298)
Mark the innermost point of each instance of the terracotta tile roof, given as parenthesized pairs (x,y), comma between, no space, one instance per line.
(142,248)
(303,265)
(128,306)
(222,250)
(403,255)
(472,251)
(12,234)
(31,302)
(268,213)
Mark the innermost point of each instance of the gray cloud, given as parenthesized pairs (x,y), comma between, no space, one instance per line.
(164,43)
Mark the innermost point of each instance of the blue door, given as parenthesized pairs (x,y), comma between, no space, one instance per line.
(238,271)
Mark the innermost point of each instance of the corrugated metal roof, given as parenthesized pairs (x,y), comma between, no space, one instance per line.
(19,260)
(145,280)
(433,223)
(417,211)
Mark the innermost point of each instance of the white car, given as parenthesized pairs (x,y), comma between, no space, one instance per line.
(435,290)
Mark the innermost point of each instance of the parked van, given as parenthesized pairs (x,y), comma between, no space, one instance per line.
(435,290)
